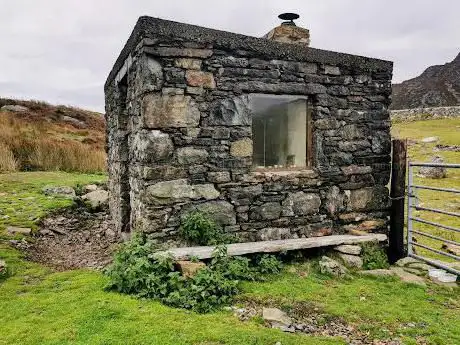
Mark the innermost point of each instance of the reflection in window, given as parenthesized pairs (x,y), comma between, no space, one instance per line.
(279,130)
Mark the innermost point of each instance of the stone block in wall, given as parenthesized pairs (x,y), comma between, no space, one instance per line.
(331,70)
(152,146)
(169,111)
(381,142)
(296,67)
(270,234)
(221,212)
(368,199)
(219,177)
(241,148)
(199,78)
(351,132)
(267,211)
(170,192)
(149,75)
(163,173)
(179,52)
(231,112)
(356,170)
(335,201)
(188,63)
(190,155)
(301,204)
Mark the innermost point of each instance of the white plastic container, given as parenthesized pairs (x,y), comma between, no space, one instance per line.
(436,272)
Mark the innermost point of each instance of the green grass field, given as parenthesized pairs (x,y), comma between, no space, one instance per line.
(448,131)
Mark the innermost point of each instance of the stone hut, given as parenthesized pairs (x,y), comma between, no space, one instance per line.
(272,139)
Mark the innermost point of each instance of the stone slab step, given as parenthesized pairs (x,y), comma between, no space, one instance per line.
(235,249)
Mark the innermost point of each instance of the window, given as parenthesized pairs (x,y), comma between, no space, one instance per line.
(280,131)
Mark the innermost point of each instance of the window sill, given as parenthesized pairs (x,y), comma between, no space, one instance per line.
(307,172)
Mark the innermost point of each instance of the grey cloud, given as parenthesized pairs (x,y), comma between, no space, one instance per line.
(61,51)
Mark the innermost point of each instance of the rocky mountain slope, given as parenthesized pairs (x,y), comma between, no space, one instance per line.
(438,86)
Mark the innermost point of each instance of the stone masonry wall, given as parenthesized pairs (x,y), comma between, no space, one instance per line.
(179,139)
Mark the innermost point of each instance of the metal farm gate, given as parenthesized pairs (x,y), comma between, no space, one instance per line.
(413,221)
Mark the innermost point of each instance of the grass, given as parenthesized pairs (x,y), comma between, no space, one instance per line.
(41,139)
(22,202)
(42,307)
(448,131)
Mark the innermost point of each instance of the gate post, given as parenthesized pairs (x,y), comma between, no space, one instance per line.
(398,187)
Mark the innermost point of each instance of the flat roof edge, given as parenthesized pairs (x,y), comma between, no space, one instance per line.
(150,27)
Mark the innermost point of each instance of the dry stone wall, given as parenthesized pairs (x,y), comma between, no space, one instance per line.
(180,139)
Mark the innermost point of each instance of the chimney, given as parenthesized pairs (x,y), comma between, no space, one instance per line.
(288,32)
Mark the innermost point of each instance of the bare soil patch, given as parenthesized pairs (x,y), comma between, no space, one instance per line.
(73,238)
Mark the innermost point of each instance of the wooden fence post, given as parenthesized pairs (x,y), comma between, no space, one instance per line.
(397,193)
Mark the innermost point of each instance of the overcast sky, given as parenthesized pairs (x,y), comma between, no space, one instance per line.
(61,51)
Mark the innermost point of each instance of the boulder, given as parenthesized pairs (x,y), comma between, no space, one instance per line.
(13,230)
(434,172)
(407,261)
(97,199)
(277,316)
(348,249)
(408,277)
(63,191)
(332,267)
(90,188)
(378,273)
(351,260)
(14,108)
(430,140)
(74,122)
(188,268)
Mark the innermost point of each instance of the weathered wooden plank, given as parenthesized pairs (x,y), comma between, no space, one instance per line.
(276,246)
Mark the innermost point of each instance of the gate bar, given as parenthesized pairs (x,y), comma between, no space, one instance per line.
(447,227)
(420,208)
(438,189)
(436,251)
(436,264)
(434,165)
(435,237)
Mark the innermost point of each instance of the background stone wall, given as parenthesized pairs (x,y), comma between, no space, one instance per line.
(179,139)
(425,113)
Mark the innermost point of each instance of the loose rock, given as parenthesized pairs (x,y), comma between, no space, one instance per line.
(189,269)
(274,315)
(434,172)
(13,230)
(97,199)
(63,191)
(330,266)
(348,249)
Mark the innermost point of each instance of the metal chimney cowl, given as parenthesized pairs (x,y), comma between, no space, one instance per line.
(288,32)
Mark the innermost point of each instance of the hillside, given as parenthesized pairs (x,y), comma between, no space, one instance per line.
(438,86)
(39,136)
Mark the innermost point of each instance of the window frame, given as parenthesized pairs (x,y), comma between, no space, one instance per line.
(309,130)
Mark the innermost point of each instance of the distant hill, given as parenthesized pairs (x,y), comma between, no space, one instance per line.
(35,135)
(438,86)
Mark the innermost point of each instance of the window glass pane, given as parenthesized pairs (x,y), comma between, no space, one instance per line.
(279,129)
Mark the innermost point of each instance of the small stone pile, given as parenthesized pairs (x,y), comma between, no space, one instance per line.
(307,319)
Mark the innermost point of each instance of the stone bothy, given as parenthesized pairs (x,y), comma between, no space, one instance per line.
(273,140)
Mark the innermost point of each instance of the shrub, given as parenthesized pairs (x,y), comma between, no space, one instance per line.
(198,228)
(374,256)
(137,270)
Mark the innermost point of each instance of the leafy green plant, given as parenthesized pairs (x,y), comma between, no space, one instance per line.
(137,270)
(374,256)
(198,228)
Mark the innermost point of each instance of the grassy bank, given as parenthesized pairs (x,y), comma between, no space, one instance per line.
(22,202)
(47,137)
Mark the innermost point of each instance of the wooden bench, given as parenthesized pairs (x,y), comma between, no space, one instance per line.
(235,249)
